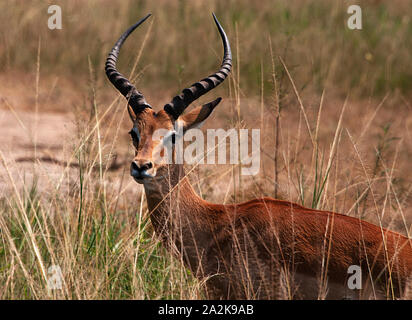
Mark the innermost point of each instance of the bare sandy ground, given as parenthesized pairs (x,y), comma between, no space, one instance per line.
(27,136)
(38,149)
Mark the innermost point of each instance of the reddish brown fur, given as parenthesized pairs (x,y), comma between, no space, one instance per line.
(352,241)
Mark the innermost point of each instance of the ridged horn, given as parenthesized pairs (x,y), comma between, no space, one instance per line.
(135,99)
(179,103)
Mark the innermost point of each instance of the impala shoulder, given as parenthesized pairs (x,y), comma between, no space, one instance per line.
(269,204)
(258,205)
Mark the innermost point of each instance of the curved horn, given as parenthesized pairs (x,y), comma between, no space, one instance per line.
(135,99)
(188,95)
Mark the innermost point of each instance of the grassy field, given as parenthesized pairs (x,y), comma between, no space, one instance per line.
(334,107)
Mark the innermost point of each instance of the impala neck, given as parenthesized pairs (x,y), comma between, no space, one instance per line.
(171,201)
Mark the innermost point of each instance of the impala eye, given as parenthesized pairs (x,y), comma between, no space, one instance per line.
(173,137)
(134,133)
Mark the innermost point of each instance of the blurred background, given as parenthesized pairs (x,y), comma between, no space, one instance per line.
(312,37)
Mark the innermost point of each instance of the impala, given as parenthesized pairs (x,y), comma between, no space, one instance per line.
(260,249)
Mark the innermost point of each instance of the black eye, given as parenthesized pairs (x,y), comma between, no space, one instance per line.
(134,133)
(173,138)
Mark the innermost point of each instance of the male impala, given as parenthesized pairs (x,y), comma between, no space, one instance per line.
(264,248)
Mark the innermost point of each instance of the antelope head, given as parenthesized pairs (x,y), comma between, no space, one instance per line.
(146,121)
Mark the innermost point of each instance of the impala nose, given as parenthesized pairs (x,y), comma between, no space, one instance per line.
(138,169)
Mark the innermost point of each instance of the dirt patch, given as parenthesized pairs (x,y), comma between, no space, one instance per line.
(28,136)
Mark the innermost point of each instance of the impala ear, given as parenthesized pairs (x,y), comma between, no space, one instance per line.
(196,117)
